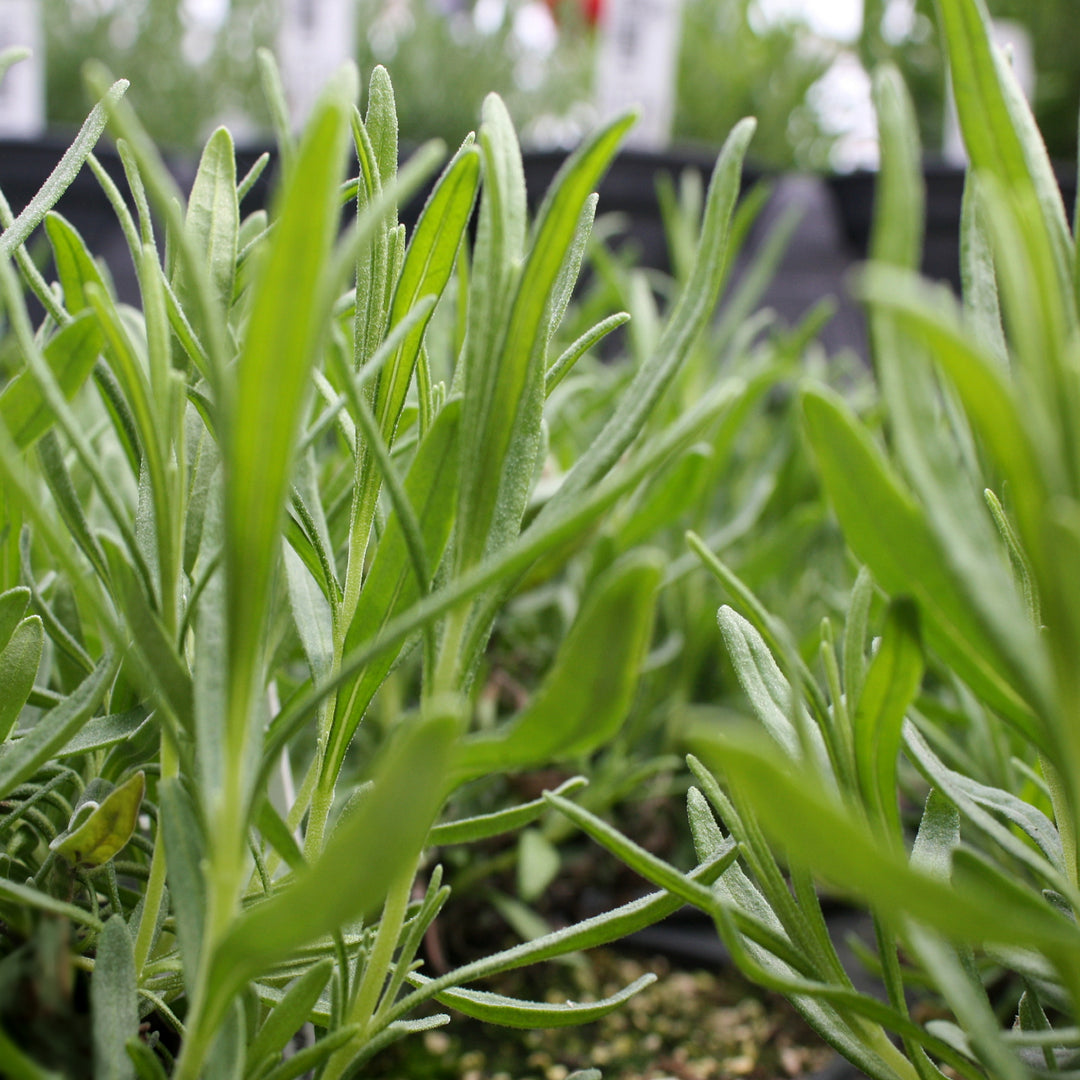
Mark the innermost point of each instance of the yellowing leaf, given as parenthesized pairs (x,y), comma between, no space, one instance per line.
(107,829)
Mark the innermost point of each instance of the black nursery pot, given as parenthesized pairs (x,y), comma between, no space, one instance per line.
(25,165)
(627,188)
(854,198)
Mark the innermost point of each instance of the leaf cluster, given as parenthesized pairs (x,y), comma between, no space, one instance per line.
(233,514)
(923,762)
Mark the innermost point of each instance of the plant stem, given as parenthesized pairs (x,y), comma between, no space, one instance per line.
(363,516)
(155,885)
(444,678)
(1063,817)
(374,975)
(322,801)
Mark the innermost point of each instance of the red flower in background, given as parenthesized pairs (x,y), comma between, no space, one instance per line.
(591,9)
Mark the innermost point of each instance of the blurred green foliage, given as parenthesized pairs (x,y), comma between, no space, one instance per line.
(185,73)
(1052,25)
(732,64)
(189,73)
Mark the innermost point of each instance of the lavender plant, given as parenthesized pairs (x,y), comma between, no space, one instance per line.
(926,764)
(227,514)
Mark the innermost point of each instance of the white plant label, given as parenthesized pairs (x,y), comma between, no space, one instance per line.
(636,64)
(22,90)
(314,38)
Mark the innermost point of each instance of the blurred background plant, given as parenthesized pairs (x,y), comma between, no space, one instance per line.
(799,67)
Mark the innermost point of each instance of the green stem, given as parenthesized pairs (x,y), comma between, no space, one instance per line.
(322,801)
(155,884)
(363,516)
(373,979)
(1063,817)
(444,678)
(224,882)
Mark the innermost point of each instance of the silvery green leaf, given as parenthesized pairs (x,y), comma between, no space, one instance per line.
(19,661)
(113,1002)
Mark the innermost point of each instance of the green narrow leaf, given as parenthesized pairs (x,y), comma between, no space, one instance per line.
(937,838)
(577,349)
(212,223)
(68,644)
(272,377)
(13,605)
(856,626)
(162,667)
(816,830)
(27,897)
(277,835)
(484,826)
(927,444)
(999,131)
(978,278)
(291,1013)
(586,695)
(305,1062)
(113,1002)
(887,531)
(966,995)
(376,844)
(899,193)
(147,1064)
(381,121)
(225,1061)
(105,731)
(1030,1017)
(571,267)
(391,586)
(537,866)
(71,353)
(505,396)
(372,265)
(428,266)
(891,685)
(1021,566)
(984,805)
(989,399)
(12,55)
(512,1012)
(311,615)
(57,476)
(499,247)
(181,833)
(669,497)
(210,687)
(19,662)
(691,313)
(769,691)
(310,552)
(75,265)
(62,176)
(19,760)
(278,107)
